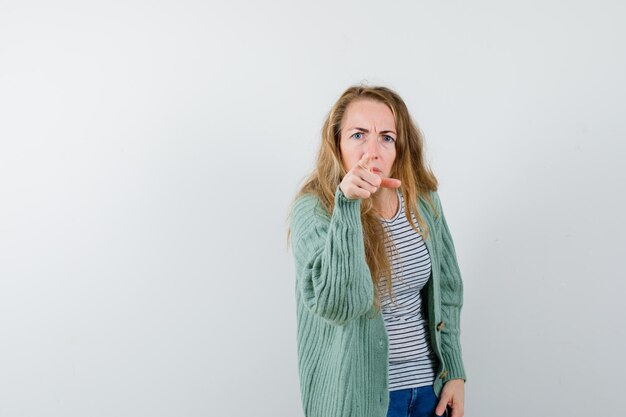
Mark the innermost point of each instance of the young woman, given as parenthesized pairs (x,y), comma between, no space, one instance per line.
(378,287)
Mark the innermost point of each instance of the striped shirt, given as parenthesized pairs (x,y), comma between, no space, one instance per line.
(411,359)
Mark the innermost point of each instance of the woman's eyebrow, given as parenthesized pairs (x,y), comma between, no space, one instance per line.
(367,131)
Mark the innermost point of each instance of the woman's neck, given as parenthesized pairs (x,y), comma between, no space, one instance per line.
(386,202)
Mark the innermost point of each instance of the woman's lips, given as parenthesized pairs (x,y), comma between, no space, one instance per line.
(376,171)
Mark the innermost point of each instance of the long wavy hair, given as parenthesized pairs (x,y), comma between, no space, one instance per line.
(409,167)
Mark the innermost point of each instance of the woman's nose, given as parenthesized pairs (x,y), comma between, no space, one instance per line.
(373,147)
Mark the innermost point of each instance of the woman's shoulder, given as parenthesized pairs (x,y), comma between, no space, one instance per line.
(308,208)
(308,202)
(430,202)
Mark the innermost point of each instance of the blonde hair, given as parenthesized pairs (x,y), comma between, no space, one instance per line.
(409,167)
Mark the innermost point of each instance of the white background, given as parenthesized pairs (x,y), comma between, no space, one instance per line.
(149,152)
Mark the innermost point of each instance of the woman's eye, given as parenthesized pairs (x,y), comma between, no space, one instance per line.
(389,138)
(357,133)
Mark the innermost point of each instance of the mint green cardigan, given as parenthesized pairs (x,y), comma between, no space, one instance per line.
(342,351)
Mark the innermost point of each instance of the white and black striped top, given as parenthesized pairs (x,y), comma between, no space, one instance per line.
(411,359)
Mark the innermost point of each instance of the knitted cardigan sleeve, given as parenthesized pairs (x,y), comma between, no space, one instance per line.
(451,286)
(333,278)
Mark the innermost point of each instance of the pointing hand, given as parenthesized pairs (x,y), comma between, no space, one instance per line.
(360,182)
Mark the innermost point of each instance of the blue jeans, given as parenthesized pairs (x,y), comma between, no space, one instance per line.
(413,402)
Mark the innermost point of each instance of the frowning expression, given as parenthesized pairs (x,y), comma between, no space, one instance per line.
(368,126)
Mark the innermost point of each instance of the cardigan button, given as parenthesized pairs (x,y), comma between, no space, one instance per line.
(441,325)
(380,343)
(443,374)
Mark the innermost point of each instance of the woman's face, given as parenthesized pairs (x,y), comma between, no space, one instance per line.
(368,126)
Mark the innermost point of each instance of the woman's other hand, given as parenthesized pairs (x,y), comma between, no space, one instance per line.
(453,396)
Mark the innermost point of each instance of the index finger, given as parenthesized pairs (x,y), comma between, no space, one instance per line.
(364,161)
